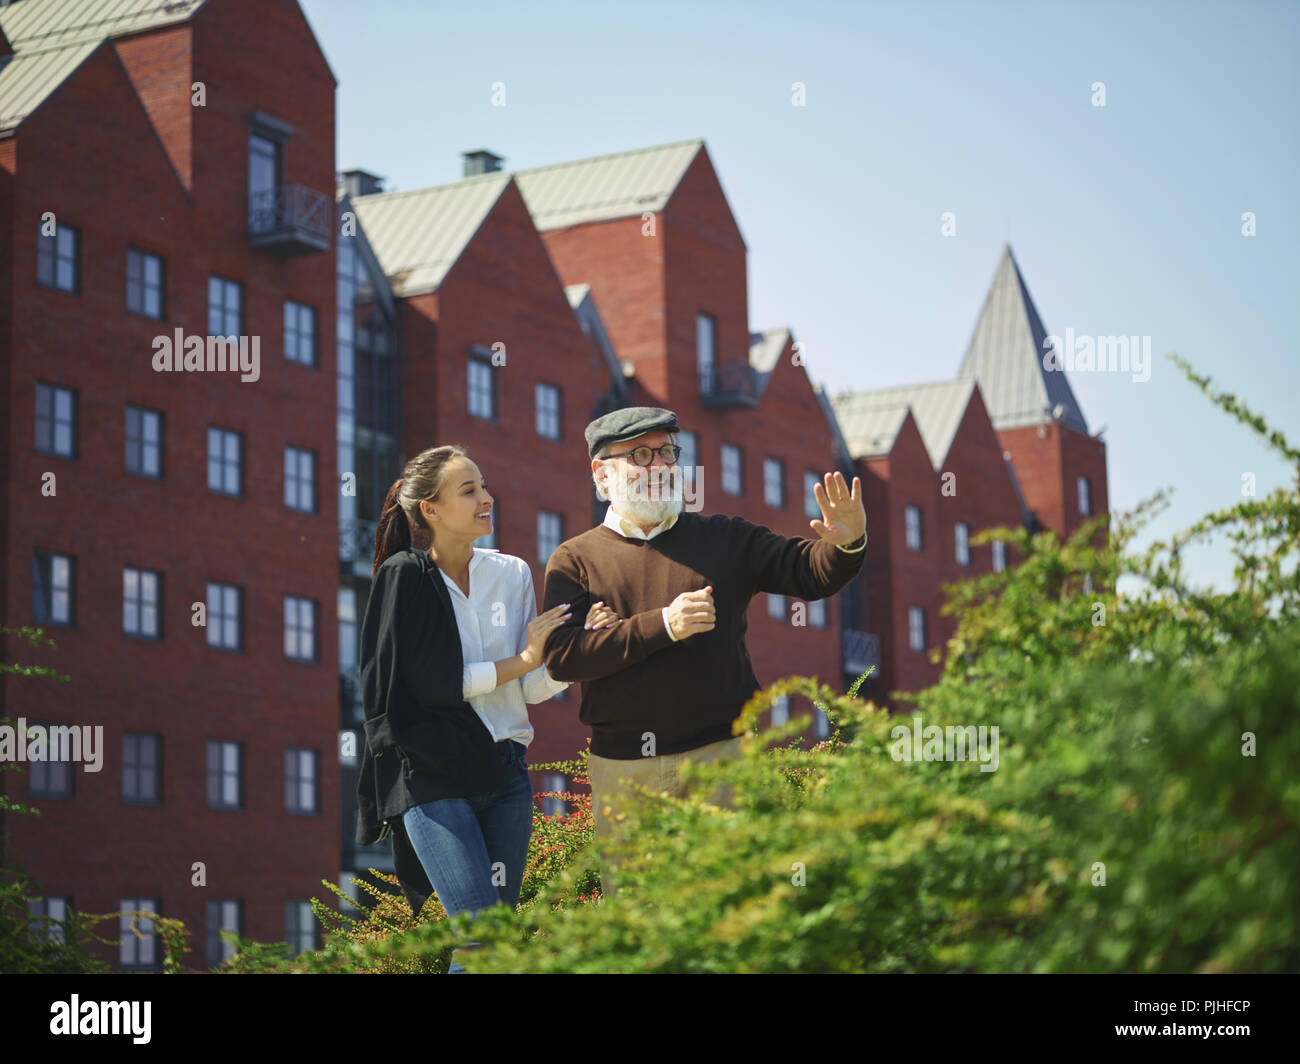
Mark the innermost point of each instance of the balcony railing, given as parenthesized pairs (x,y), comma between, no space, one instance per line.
(290,220)
(728,384)
(861,650)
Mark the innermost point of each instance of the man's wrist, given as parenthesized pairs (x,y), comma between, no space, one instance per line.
(854,550)
(664,611)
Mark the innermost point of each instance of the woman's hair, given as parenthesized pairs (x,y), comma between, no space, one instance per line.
(401,525)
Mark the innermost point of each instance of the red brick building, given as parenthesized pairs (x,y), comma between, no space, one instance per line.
(1003,444)
(165,169)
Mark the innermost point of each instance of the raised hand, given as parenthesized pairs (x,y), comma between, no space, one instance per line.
(843,518)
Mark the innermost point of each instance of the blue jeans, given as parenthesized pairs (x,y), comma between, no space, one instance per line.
(468,845)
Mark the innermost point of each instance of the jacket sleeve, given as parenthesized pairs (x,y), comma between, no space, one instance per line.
(576,655)
(412,621)
(802,567)
(538,685)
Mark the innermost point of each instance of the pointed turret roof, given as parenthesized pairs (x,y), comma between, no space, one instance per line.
(1005,356)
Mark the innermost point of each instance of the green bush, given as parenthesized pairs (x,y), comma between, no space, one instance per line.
(1142,817)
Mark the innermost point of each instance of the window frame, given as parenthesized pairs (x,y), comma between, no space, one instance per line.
(134,253)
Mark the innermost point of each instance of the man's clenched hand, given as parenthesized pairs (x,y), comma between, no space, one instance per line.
(691,612)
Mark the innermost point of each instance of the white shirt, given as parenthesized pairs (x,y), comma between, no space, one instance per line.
(493,624)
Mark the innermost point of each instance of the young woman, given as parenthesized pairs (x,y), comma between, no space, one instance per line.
(451,650)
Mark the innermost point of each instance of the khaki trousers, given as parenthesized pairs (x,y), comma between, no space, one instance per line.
(609,792)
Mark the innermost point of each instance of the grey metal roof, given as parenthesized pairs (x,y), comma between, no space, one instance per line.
(52,38)
(871,420)
(1005,355)
(29,78)
(607,186)
(584,308)
(764,350)
(418,235)
(32,24)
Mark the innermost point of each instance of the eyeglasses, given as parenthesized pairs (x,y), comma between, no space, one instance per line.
(643,456)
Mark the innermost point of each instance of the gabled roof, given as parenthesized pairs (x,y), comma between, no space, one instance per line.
(1005,355)
(52,38)
(418,235)
(584,308)
(764,351)
(32,24)
(871,421)
(607,186)
(29,78)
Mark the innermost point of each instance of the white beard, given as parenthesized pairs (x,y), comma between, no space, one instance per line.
(650,499)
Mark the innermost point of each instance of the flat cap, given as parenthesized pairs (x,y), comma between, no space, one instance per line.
(627,424)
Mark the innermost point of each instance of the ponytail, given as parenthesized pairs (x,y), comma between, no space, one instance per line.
(401,523)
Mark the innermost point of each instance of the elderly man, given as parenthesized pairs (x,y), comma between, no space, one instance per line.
(665,682)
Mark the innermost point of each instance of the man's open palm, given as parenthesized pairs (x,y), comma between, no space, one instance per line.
(843,518)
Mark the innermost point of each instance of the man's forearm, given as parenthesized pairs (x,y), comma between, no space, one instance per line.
(576,655)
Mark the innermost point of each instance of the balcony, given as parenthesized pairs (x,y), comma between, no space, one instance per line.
(728,384)
(290,220)
(860,650)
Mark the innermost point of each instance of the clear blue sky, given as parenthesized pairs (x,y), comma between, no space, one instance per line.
(1125,219)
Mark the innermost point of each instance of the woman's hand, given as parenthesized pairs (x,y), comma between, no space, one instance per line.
(600,616)
(538,631)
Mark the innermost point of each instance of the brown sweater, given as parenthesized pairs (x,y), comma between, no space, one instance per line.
(634,678)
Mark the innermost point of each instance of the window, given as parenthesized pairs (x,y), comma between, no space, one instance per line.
(481,398)
(300,479)
(821,723)
(773,483)
(349,649)
(299,628)
(144,283)
(300,781)
(1085,496)
(222,916)
(142,603)
(731,482)
(44,910)
(916,628)
(224,775)
(56,420)
(817,613)
(549,534)
(961,537)
(548,411)
(265,170)
(58,258)
(1087,583)
(51,777)
(810,507)
(299,927)
(776,606)
(144,436)
(553,805)
(914,532)
(142,768)
(780,710)
(53,588)
(225,300)
(706,351)
(999,555)
(225,472)
(138,943)
(224,628)
(299,333)
(688,460)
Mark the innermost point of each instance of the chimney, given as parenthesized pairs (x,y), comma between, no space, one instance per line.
(361,183)
(481,162)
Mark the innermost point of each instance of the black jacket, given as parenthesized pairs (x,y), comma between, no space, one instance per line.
(423,740)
